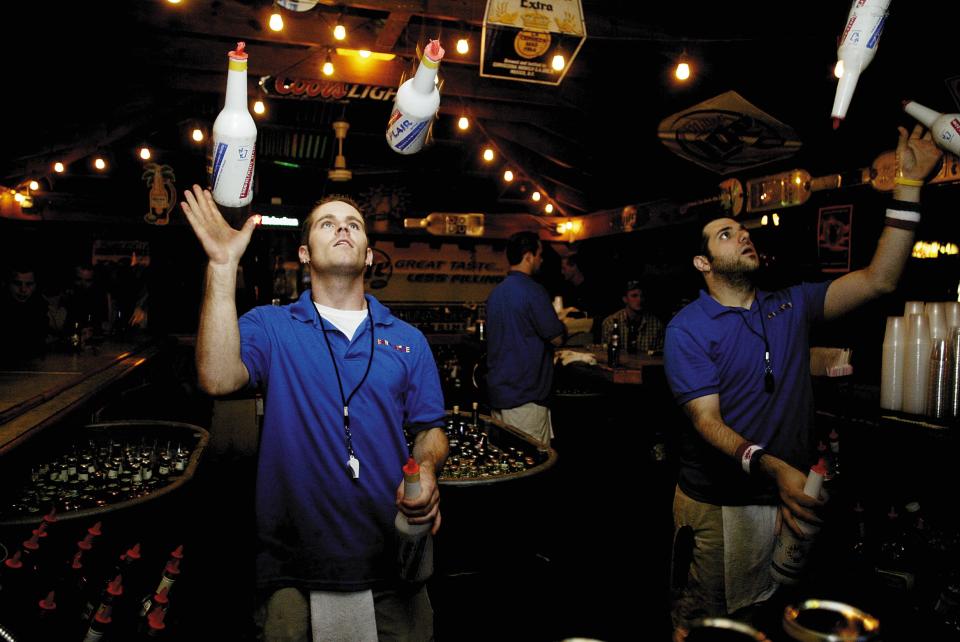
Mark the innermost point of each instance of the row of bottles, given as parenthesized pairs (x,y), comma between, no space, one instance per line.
(474,455)
(59,586)
(438,318)
(95,472)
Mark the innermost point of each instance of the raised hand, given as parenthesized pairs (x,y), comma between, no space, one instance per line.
(917,154)
(223,244)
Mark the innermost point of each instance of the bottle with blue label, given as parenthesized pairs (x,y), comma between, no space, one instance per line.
(416,104)
(234,139)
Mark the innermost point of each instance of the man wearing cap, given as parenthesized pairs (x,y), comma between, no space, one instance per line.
(640,331)
(737,361)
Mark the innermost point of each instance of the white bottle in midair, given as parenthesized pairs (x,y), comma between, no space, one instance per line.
(234,139)
(945,128)
(416,104)
(858,44)
(415,549)
(790,553)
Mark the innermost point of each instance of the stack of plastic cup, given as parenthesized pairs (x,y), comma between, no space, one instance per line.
(891,364)
(936,317)
(915,364)
(938,386)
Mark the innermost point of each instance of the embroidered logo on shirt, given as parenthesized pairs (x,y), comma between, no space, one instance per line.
(783,307)
(397,347)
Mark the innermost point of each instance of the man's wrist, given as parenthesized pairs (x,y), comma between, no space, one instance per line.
(904,215)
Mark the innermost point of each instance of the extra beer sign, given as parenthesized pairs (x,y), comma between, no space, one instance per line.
(324,90)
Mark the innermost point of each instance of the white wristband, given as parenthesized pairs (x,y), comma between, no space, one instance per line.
(747,456)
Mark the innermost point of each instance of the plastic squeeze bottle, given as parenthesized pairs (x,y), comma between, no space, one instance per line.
(416,104)
(945,128)
(858,45)
(415,550)
(234,139)
(790,553)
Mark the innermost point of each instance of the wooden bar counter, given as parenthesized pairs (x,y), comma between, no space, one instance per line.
(633,369)
(36,393)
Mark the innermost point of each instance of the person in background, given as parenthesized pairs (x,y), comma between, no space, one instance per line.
(343,379)
(24,314)
(87,303)
(640,331)
(522,330)
(738,361)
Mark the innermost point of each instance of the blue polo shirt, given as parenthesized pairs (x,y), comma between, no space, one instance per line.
(714,349)
(520,324)
(318,528)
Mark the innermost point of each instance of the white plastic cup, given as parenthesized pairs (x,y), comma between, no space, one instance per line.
(891,364)
(912,307)
(951,310)
(936,317)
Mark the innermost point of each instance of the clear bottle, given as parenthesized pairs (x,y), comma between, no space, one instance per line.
(234,139)
(416,104)
(790,553)
(415,545)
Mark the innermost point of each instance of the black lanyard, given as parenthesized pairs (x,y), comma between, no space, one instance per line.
(352,462)
(769,384)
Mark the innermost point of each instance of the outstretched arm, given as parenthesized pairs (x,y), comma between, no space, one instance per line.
(916,157)
(219,368)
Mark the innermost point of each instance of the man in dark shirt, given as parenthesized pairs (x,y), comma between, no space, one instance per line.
(24,312)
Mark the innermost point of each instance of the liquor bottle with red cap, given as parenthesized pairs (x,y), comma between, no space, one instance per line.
(171,571)
(415,543)
(234,139)
(790,553)
(154,625)
(416,104)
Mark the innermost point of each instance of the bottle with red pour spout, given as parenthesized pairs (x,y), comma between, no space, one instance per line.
(944,128)
(790,553)
(415,549)
(171,571)
(234,139)
(416,104)
(858,45)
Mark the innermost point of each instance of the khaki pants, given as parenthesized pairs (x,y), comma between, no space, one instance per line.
(697,582)
(402,616)
(530,418)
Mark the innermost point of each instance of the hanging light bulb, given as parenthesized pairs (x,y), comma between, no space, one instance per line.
(776,219)
(682,71)
(764,220)
(463,46)
(548,208)
(535,196)
(508,176)
(145,153)
(488,154)
(99,163)
(34,186)
(558,62)
(463,123)
(58,167)
(276,21)
(328,65)
(339,31)
(197,135)
(258,107)
(18,197)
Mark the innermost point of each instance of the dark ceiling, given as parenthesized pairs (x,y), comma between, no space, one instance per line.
(107,77)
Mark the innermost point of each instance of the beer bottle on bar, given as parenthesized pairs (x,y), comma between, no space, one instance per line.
(613,348)
(475,418)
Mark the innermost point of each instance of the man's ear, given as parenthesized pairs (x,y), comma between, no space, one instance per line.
(701,262)
(369,260)
(304,254)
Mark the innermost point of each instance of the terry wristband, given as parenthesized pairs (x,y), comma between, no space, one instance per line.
(746,457)
(903,215)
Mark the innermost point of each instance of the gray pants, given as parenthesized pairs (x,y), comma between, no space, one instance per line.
(402,616)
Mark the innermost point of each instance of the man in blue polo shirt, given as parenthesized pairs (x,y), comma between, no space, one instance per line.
(522,329)
(737,360)
(343,377)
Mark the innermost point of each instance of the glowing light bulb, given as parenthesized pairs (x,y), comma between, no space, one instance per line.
(536,197)
(173,1)
(364,53)
(776,219)
(463,123)
(683,71)
(548,208)
(339,32)
(197,135)
(34,186)
(100,164)
(508,176)
(145,153)
(18,197)
(58,167)
(276,22)
(764,220)
(328,68)
(258,107)
(558,62)
(463,46)
(488,154)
